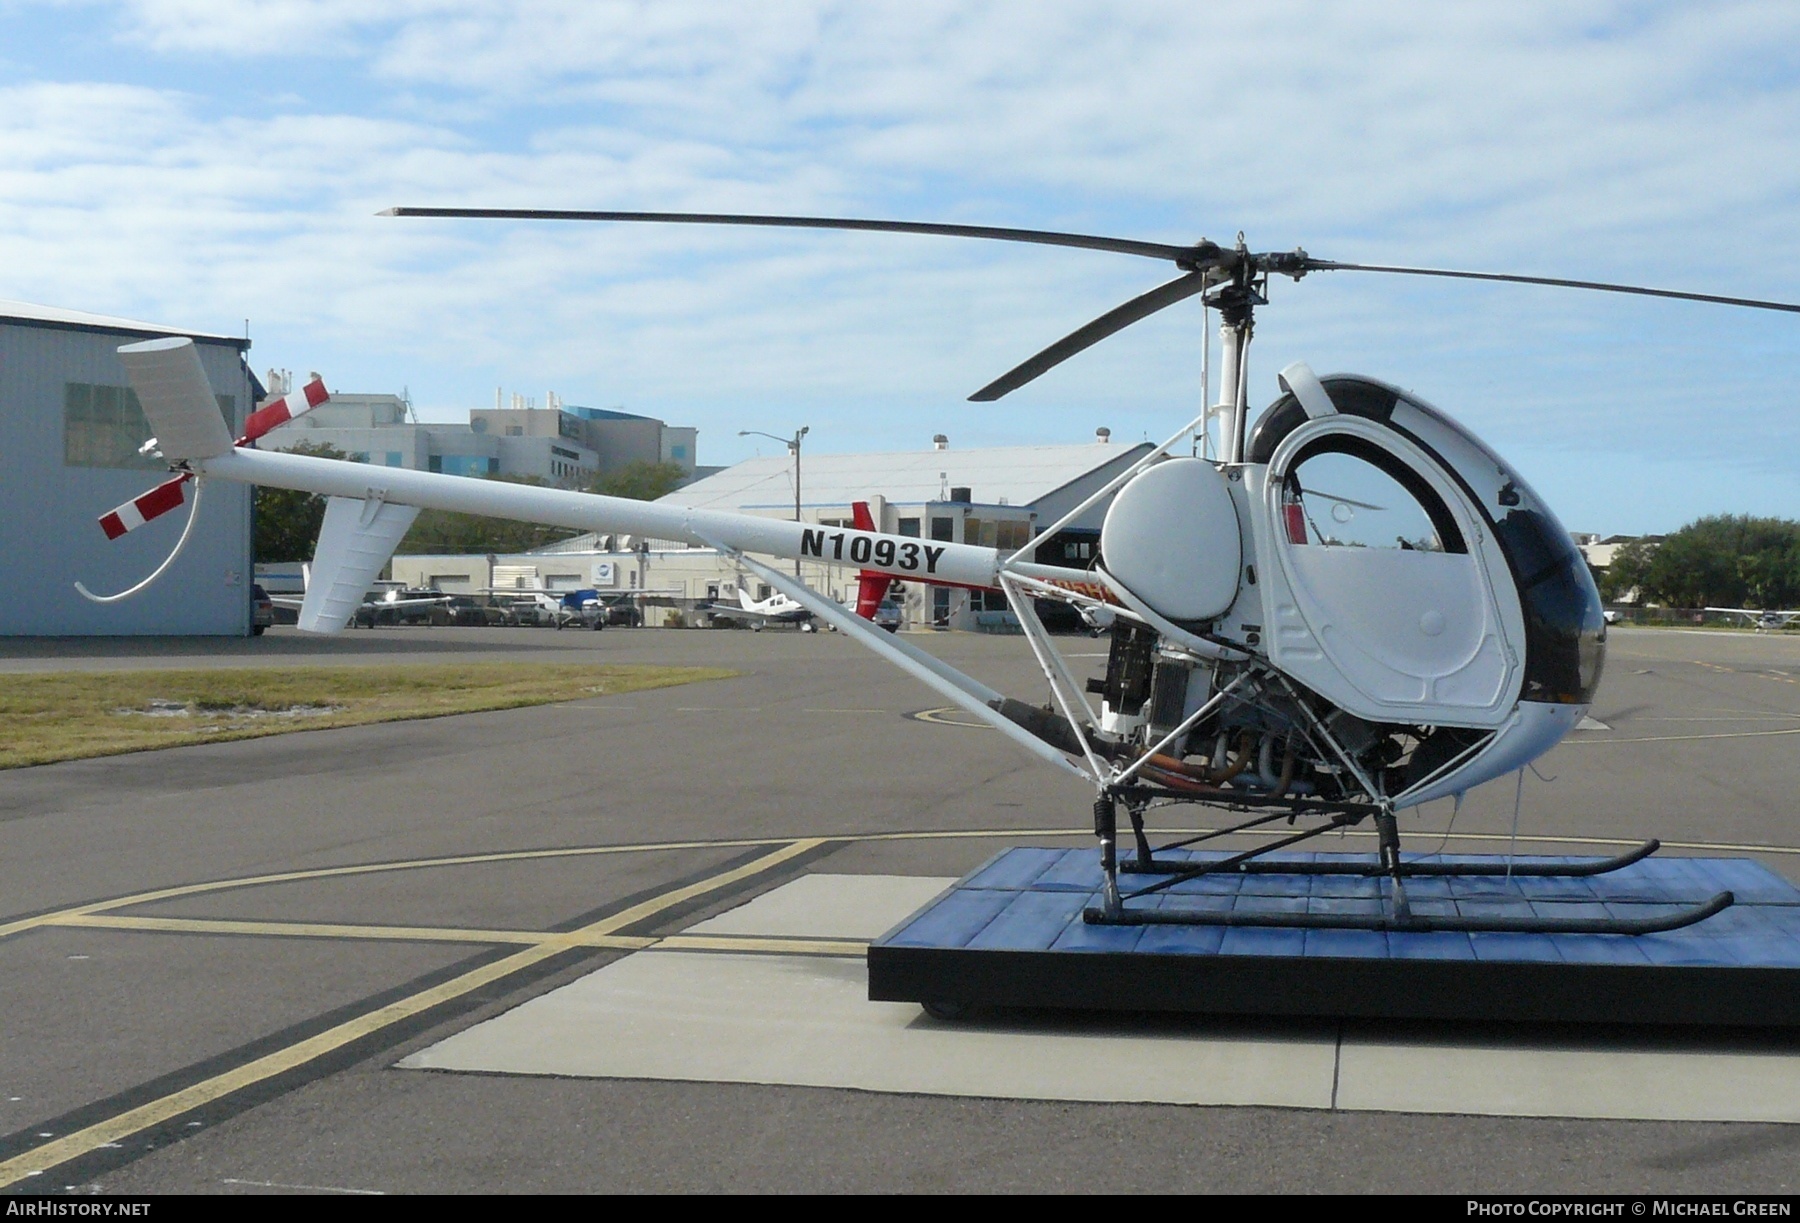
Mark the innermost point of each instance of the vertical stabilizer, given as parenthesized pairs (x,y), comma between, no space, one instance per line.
(356,541)
(173,390)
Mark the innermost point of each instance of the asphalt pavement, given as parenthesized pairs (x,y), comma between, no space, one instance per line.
(215,956)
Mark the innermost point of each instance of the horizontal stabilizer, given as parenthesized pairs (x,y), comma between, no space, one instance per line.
(173,390)
(356,541)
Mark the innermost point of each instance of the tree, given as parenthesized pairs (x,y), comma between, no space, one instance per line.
(641,480)
(1630,565)
(1730,560)
(287,522)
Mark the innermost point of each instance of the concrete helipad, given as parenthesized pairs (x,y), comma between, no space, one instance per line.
(805,1020)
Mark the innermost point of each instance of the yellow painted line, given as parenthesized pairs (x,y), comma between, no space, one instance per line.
(373,868)
(712,883)
(131,1121)
(416,934)
(784,946)
(1734,734)
(560,940)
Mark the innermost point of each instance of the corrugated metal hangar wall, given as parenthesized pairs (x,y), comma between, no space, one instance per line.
(69,432)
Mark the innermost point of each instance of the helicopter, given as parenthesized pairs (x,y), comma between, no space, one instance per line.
(1261,662)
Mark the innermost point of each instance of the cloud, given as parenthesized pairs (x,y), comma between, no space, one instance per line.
(230,162)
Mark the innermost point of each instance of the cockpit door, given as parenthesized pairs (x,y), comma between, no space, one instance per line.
(1383,600)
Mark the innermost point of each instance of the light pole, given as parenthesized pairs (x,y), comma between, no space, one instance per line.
(793,444)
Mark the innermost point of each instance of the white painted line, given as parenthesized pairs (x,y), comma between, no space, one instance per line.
(807,1021)
(828,906)
(374,1193)
(1578,1079)
(1591,724)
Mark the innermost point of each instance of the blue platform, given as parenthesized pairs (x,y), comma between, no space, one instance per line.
(1011,933)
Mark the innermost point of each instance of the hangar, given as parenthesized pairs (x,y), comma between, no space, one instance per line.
(70,429)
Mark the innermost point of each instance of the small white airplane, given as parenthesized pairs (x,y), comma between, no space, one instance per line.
(1762,620)
(776,609)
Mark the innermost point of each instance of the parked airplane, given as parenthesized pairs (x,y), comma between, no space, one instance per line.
(776,609)
(1763,620)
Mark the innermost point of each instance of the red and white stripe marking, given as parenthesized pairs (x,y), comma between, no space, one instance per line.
(139,510)
(167,495)
(290,405)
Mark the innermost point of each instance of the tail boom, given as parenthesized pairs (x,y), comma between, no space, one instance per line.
(901,557)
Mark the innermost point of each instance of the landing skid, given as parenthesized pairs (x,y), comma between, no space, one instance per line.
(1408,868)
(1116,908)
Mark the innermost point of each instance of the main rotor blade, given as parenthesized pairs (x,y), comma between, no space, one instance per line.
(1322,265)
(1117,319)
(1042,237)
(1361,505)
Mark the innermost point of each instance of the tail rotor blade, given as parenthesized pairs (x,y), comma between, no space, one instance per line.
(281,411)
(141,509)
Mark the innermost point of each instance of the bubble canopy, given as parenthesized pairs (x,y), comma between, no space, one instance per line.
(1565,630)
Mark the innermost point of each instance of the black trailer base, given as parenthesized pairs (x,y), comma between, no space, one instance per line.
(1012,934)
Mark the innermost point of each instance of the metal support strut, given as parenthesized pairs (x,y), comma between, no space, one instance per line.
(1387,832)
(1106,827)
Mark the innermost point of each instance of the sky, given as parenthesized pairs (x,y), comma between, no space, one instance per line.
(210,165)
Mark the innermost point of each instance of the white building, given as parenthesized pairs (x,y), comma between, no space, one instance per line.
(563,446)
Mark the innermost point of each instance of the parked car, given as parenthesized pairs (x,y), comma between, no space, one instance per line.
(262,610)
(888,615)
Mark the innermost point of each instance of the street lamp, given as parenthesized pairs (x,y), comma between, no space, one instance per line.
(793,444)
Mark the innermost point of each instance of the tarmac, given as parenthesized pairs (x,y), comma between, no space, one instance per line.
(612,945)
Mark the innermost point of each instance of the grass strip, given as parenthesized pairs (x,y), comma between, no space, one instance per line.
(72,715)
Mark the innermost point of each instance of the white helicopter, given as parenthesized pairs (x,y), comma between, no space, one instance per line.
(1261,662)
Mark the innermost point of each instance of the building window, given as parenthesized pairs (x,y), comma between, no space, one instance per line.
(435,463)
(909,527)
(393,459)
(983,531)
(103,426)
(944,529)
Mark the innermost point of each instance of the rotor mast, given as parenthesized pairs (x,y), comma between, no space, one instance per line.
(1236,298)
